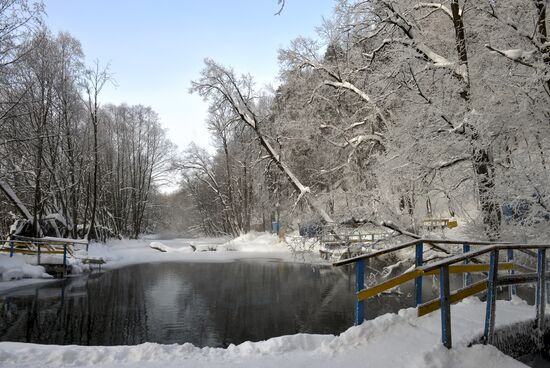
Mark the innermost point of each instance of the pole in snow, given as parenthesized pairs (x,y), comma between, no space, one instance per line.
(359,285)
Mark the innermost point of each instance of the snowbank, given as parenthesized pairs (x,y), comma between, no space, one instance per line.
(391,340)
(254,245)
(255,242)
(16,268)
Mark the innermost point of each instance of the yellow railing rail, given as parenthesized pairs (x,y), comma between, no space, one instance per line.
(411,275)
(454,297)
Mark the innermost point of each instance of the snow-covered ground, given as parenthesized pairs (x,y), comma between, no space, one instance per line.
(16,272)
(119,253)
(16,268)
(391,340)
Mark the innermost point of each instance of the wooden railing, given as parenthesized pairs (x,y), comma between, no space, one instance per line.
(450,265)
(41,246)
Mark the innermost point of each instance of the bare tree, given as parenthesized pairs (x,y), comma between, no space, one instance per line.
(93,82)
(220,86)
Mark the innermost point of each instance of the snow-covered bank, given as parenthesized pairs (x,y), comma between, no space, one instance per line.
(255,242)
(391,340)
(17,268)
(253,245)
(18,271)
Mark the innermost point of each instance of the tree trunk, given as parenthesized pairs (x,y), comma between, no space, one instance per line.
(37,189)
(485,178)
(91,230)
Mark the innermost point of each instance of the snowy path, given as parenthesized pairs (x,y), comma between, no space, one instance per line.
(391,340)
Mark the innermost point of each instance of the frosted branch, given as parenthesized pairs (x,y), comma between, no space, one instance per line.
(437,6)
(350,87)
(517,55)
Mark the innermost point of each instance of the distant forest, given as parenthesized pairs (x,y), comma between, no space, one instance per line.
(398,111)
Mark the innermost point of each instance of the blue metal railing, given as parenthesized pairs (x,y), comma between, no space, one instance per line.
(466,257)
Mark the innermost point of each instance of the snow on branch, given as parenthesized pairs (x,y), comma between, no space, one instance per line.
(412,40)
(355,125)
(437,6)
(437,60)
(460,128)
(303,191)
(336,80)
(334,169)
(517,55)
(445,165)
(350,87)
(356,141)
(529,36)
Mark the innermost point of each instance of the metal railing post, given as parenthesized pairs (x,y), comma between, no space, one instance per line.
(541,289)
(491,298)
(38,255)
(419,260)
(467,277)
(445,305)
(359,285)
(511,288)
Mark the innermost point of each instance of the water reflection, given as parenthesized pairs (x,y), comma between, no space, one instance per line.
(205,304)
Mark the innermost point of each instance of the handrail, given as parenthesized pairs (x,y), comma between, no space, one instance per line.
(445,266)
(462,241)
(51,244)
(417,272)
(411,243)
(15,241)
(479,252)
(377,253)
(29,242)
(51,240)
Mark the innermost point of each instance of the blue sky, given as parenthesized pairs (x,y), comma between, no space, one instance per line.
(155,48)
